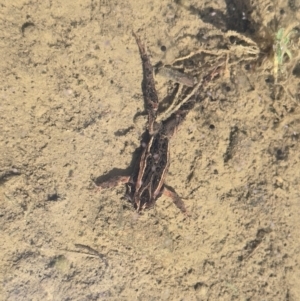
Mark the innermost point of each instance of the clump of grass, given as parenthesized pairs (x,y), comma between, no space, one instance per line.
(281,48)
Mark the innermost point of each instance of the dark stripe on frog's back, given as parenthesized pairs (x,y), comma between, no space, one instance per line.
(160,148)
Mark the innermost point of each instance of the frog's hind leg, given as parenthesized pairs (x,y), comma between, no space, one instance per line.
(148,86)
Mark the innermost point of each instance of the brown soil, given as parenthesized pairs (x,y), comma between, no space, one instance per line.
(70,88)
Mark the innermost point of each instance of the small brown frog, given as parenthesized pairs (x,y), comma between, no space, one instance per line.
(147,183)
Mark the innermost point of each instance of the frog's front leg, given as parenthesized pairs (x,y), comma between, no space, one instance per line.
(171,193)
(112,182)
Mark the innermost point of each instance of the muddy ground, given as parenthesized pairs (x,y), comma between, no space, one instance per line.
(70,89)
